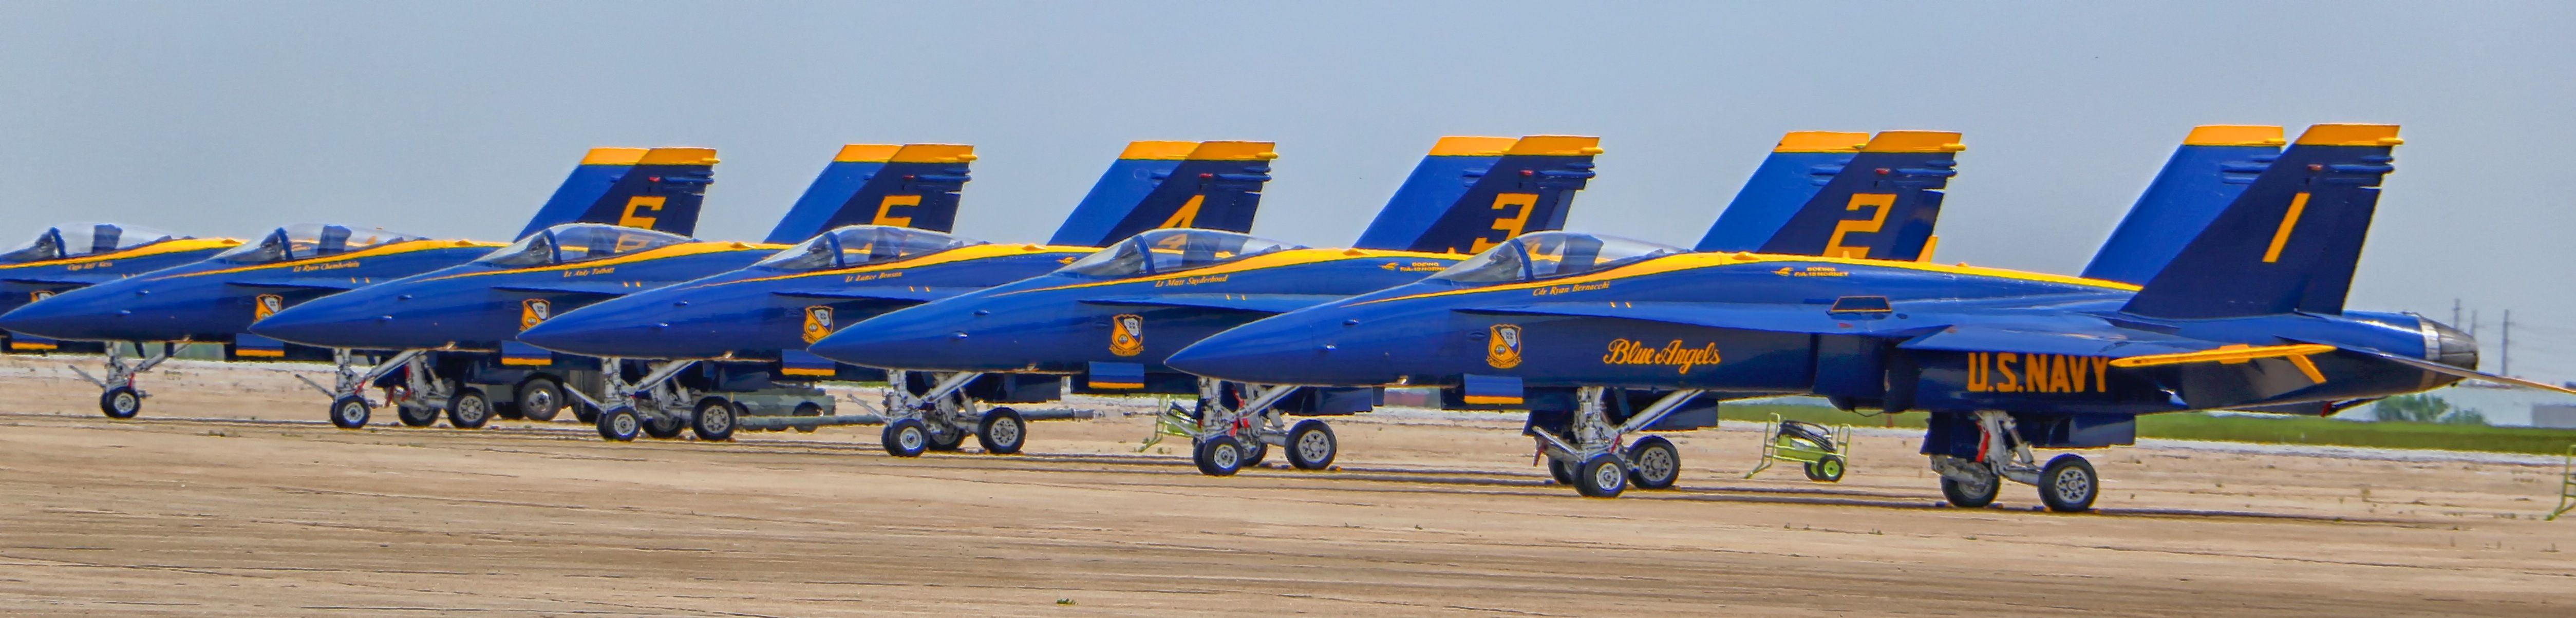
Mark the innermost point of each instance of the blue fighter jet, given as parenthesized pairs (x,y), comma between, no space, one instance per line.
(70,256)
(216,299)
(737,335)
(1012,343)
(2247,314)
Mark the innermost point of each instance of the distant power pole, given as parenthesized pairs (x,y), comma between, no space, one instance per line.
(2455,311)
(2506,345)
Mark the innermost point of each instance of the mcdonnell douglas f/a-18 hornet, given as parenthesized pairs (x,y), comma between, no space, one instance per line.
(2247,314)
(740,336)
(215,300)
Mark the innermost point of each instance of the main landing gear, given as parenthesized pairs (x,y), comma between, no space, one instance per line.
(2067,484)
(658,406)
(1235,424)
(942,418)
(118,398)
(1589,457)
(350,408)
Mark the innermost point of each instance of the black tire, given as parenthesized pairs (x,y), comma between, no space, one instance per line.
(1825,470)
(945,441)
(1311,445)
(1602,476)
(583,412)
(1963,496)
(120,402)
(469,409)
(1810,432)
(1002,432)
(2068,484)
(1558,470)
(415,415)
(1253,452)
(1653,463)
(1218,456)
(620,424)
(714,420)
(351,412)
(906,438)
(1828,469)
(541,399)
(664,428)
(808,409)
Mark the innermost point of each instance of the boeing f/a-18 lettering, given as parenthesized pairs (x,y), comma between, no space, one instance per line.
(2249,313)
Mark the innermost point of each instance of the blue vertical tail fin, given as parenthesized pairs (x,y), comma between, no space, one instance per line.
(2213,165)
(1472,193)
(2289,241)
(1158,184)
(1821,194)
(908,185)
(657,188)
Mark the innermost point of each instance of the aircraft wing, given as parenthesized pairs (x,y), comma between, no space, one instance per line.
(597,288)
(1776,318)
(301,285)
(909,294)
(1260,303)
(2084,338)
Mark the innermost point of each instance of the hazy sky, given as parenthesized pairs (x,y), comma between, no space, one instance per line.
(458,119)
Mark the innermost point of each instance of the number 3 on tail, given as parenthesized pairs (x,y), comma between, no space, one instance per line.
(1512,212)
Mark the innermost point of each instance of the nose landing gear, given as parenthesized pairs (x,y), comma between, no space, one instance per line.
(118,398)
(2068,484)
(1247,418)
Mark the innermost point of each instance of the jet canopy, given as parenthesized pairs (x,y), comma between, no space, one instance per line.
(1171,250)
(1542,255)
(311,240)
(857,245)
(578,242)
(79,239)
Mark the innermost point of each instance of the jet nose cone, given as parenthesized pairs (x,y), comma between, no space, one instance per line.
(1262,352)
(1217,357)
(47,318)
(893,340)
(326,322)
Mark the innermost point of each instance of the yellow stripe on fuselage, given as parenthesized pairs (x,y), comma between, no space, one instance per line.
(1292,257)
(158,248)
(951,256)
(1689,261)
(669,251)
(412,246)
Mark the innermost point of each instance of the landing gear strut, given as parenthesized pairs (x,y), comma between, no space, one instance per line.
(1589,454)
(941,418)
(118,398)
(350,408)
(1235,424)
(2067,484)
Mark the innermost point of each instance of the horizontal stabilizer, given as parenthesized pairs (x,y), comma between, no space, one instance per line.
(1261,303)
(2471,374)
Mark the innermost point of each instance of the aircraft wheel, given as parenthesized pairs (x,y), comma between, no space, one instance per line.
(1602,476)
(664,428)
(808,409)
(944,441)
(620,424)
(584,413)
(1653,463)
(351,412)
(1311,445)
(416,415)
(120,402)
(469,409)
(1971,497)
(1219,456)
(1253,452)
(714,420)
(1002,432)
(540,399)
(1557,469)
(1826,470)
(2068,485)
(906,438)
